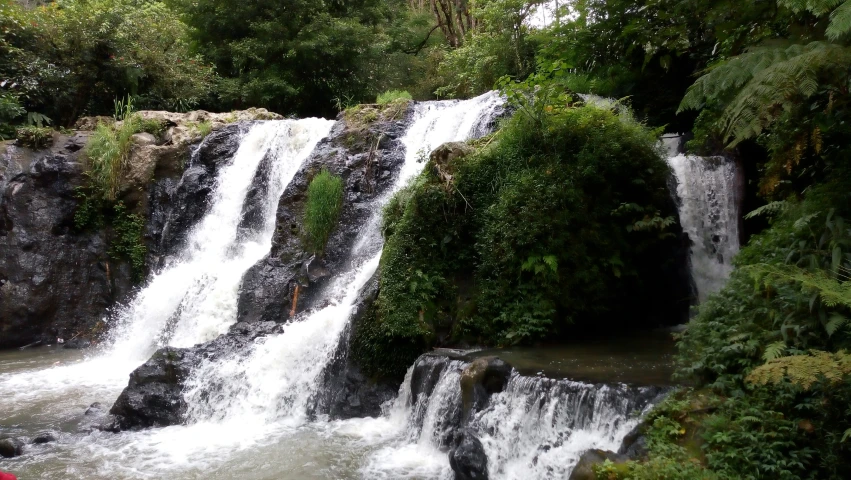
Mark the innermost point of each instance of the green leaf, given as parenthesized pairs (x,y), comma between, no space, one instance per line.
(774,350)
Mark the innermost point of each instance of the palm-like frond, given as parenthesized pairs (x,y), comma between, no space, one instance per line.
(767,81)
(840,21)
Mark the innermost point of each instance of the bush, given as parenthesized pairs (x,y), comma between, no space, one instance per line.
(34,137)
(541,233)
(322,210)
(393,96)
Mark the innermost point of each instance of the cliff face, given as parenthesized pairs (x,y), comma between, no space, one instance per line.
(58,281)
(54,282)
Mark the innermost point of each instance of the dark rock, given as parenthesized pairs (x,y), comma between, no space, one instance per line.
(480,379)
(11,447)
(45,437)
(55,282)
(94,409)
(467,457)
(584,469)
(634,444)
(154,397)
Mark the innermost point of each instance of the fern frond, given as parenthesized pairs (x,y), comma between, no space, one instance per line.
(804,370)
(835,323)
(768,210)
(840,21)
(774,350)
(832,292)
(767,82)
(816,7)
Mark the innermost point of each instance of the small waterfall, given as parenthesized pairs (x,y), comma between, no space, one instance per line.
(277,380)
(537,428)
(708,195)
(193,298)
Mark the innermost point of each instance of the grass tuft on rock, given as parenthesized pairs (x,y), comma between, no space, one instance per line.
(322,210)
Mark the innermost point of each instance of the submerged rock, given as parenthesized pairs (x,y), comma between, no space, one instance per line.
(11,447)
(45,437)
(468,458)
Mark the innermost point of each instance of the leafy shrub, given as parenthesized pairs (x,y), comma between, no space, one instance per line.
(322,210)
(126,241)
(529,239)
(34,137)
(393,96)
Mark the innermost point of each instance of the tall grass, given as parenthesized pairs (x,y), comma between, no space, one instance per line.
(107,151)
(392,96)
(322,210)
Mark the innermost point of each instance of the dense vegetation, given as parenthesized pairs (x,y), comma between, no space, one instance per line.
(558,220)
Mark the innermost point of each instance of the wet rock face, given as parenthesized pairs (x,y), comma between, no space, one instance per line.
(154,395)
(11,447)
(54,282)
(177,202)
(482,378)
(367,163)
(467,458)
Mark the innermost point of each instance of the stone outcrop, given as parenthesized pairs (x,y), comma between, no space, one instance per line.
(54,282)
(467,458)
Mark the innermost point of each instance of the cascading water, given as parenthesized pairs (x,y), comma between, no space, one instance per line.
(193,298)
(537,428)
(278,379)
(708,194)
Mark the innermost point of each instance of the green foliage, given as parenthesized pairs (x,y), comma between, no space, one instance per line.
(107,151)
(499,45)
(322,210)
(124,230)
(526,239)
(757,86)
(393,96)
(201,129)
(34,137)
(74,57)
(804,370)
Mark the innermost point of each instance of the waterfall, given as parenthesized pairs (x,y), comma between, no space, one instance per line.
(277,380)
(193,298)
(708,195)
(536,428)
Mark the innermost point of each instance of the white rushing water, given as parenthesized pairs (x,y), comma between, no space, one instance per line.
(537,428)
(277,380)
(193,298)
(708,194)
(251,414)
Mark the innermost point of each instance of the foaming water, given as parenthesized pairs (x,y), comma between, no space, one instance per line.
(193,298)
(537,428)
(708,197)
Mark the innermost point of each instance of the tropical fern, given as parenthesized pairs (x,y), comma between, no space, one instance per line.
(833,291)
(765,82)
(804,370)
(769,210)
(840,18)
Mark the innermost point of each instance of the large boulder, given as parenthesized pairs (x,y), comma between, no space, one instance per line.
(480,379)
(11,447)
(467,458)
(154,396)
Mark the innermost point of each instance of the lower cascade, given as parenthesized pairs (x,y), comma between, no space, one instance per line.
(265,397)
